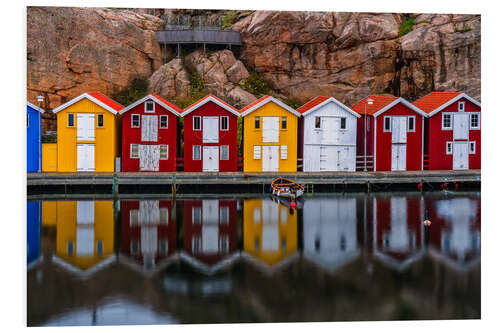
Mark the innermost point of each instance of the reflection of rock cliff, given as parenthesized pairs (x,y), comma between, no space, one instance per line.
(299,54)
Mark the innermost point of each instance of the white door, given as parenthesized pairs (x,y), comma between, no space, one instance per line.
(149,157)
(399,127)
(149,128)
(210,129)
(327,158)
(85,127)
(270,158)
(460,126)
(344,159)
(210,226)
(460,156)
(211,158)
(85,157)
(270,129)
(398,161)
(84,228)
(330,127)
(311,158)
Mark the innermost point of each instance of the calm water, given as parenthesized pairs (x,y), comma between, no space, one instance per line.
(218,260)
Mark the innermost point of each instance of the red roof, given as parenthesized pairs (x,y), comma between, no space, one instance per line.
(173,106)
(434,100)
(254,103)
(213,96)
(312,103)
(379,102)
(106,100)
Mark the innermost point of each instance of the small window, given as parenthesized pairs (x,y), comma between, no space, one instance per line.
(163,152)
(100,247)
(223,244)
(196,245)
(134,150)
(283,122)
(136,121)
(70,248)
(197,123)
(256,152)
(164,215)
(100,120)
(28,120)
(343,123)
(196,153)
(134,217)
(196,218)
(224,153)
(449,148)
(411,124)
(474,121)
(284,152)
(163,121)
(461,106)
(257,122)
(472,147)
(317,122)
(446,121)
(149,107)
(71,120)
(387,124)
(224,214)
(224,123)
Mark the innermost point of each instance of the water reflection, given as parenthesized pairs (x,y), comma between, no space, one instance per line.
(254,259)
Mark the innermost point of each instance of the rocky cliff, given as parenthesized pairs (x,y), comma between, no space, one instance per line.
(298,55)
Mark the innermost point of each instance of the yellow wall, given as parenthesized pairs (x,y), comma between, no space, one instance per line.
(66,232)
(253,137)
(106,138)
(252,230)
(49,213)
(49,157)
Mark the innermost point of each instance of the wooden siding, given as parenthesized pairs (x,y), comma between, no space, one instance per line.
(49,160)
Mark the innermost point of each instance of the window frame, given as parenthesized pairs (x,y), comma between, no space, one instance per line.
(100,115)
(132,120)
(194,123)
(195,147)
(461,106)
(317,121)
(131,151)
(284,121)
(166,158)
(284,152)
(472,144)
(163,116)
(258,149)
(226,147)
(198,209)
(444,114)
(449,144)
(227,123)
(345,124)
(414,118)
(146,106)
(478,127)
(73,120)
(390,124)
(256,123)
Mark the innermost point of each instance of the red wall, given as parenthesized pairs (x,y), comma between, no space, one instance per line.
(226,138)
(438,160)
(190,230)
(167,136)
(360,136)
(413,145)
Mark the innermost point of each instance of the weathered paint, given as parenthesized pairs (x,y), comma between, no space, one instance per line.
(204,235)
(225,138)
(49,160)
(33,138)
(254,137)
(102,226)
(107,138)
(269,230)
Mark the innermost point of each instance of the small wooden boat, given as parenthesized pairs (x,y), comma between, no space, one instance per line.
(287,188)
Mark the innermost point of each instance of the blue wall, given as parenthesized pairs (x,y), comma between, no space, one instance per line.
(34,213)
(33,140)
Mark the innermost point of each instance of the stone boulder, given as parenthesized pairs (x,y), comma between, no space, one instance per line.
(170,80)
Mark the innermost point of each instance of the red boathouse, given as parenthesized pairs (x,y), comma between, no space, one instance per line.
(210,136)
(394,133)
(452,132)
(149,135)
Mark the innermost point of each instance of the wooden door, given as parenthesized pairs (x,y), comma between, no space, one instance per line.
(85,127)
(149,157)
(210,129)
(311,158)
(460,155)
(327,158)
(270,129)
(149,128)
(270,158)
(85,157)
(399,129)
(344,163)
(398,157)
(460,126)
(330,127)
(211,159)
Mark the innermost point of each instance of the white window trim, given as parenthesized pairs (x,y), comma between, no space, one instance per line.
(220,157)
(132,157)
(194,117)
(102,115)
(227,129)
(390,124)
(196,159)
(260,123)
(163,115)
(340,124)
(478,121)
(472,151)
(259,149)
(67,120)
(449,152)
(281,123)
(164,159)
(317,128)
(132,120)
(284,152)
(461,106)
(146,109)
(451,121)
(414,124)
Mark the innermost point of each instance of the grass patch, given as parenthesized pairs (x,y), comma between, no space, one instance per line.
(49,138)
(461,31)
(135,91)
(229,19)
(196,92)
(406,27)
(293,103)
(255,85)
